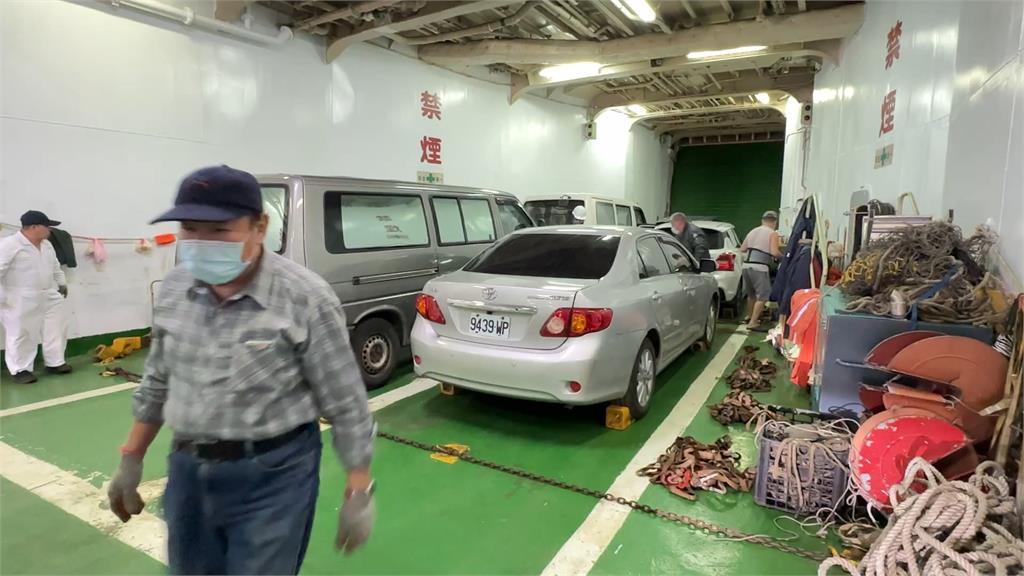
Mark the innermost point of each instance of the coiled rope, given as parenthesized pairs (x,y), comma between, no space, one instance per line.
(950,529)
(932,266)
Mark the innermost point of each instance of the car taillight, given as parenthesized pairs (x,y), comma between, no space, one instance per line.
(427,307)
(572,322)
(726,261)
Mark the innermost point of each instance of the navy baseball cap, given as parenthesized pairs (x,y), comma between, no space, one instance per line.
(37,218)
(215,194)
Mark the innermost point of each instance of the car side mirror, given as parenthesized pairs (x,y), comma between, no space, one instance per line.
(579,213)
(708,266)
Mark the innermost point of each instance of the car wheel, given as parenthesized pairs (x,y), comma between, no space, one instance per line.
(375,343)
(641,382)
(710,324)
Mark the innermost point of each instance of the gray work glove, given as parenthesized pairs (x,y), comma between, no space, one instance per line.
(63,290)
(123,491)
(355,521)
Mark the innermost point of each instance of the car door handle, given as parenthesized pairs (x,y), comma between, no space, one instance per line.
(656,297)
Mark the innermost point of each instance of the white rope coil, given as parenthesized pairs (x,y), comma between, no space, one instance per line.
(950,529)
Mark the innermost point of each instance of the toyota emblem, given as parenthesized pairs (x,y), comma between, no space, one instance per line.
(489,293)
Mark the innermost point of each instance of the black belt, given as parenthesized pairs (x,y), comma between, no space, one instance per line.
(235,449)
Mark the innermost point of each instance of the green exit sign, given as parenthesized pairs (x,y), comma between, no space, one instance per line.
(430,177)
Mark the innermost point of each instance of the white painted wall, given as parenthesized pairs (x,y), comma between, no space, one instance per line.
(102,112)
(958,118)
(793,165)
(985,164)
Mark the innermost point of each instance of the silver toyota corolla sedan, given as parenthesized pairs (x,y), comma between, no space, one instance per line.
(575,315)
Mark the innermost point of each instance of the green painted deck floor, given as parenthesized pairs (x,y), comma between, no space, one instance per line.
(433,518)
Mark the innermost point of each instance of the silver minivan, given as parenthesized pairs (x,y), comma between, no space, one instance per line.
(378,242)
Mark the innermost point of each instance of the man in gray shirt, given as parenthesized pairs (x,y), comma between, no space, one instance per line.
(760,247)
(248,349)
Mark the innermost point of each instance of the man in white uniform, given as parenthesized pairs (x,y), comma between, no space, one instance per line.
(32,292)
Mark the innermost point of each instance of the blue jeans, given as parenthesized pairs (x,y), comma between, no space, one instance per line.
(247,516)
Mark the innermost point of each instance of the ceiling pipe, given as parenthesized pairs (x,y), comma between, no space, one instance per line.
(431,13)
(570,21)
(800,27)
(348,12)
(188,17)
(480,29)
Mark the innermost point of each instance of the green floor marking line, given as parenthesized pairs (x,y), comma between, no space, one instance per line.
(579,554)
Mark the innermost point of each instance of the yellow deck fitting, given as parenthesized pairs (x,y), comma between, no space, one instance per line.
(448,458)
(617,417)
(120,348)
(447,389)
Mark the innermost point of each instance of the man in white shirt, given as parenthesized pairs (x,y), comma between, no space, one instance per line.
(760,246)
(32,293)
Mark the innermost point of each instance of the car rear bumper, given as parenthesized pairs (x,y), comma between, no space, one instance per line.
(602,363)
(728,282)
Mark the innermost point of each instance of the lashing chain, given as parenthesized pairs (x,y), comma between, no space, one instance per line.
(694,523)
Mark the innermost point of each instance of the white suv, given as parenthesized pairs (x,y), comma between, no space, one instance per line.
(724,246)
(583,209)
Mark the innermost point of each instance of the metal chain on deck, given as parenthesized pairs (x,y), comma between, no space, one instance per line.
(694,523)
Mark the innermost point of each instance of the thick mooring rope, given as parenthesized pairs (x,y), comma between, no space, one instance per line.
(950,529)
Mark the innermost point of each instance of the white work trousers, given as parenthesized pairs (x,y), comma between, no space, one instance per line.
(30,318)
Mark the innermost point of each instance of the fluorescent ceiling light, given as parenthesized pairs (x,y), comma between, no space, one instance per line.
(763,97)
(570,71)
(636,109)
(636,10)
(700,55)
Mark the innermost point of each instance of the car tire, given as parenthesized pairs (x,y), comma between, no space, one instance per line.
(710,325)
(641,381)
(375,343)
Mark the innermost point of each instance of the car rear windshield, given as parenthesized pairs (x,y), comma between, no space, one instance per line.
(716,238)
(579,256)
(553,212)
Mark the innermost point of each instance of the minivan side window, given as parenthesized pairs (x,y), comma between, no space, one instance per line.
(622,215)
(476,214)
(605,214)
(356,221)
(652,259)
(449,221)
(275,206)
(638,213)
(512,216)
(463,220)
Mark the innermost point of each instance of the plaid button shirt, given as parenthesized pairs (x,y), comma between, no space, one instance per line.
(267,360)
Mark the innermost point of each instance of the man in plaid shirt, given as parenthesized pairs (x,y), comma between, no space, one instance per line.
(248,349)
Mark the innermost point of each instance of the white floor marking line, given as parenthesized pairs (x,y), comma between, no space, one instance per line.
(579,554)
(390,397)
(67,399)
(145,532)
(152,489)
(81,499)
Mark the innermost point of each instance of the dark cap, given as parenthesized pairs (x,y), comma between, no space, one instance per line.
(37,218)
(215,194)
